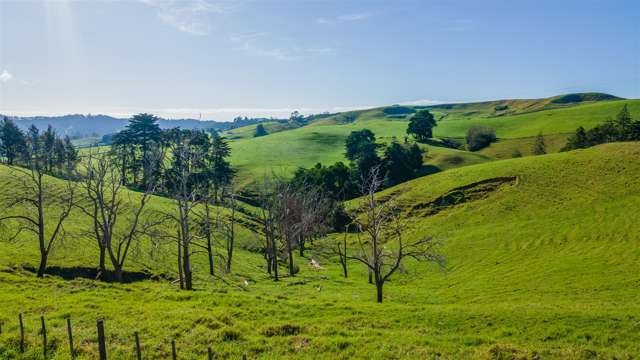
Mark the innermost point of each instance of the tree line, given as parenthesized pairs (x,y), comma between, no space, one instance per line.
(621,128)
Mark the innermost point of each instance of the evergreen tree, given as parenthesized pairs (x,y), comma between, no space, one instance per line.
(401,163)
(539,147)
(48,143)
(623,120)
(260,131)
(144,132)
(222,171)
(12,141)
(421,125)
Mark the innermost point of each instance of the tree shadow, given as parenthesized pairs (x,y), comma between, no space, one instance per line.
(80,272)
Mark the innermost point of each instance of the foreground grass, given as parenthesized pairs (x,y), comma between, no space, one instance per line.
(543,268)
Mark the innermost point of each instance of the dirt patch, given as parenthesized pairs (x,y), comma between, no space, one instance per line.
(460,195)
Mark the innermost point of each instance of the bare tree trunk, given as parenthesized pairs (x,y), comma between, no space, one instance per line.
(274,259)
(301,245)
(186,263)
(43,264)
(117,272)
(290,256)
(101,265)
(232,234)
(208,235)
(180,276)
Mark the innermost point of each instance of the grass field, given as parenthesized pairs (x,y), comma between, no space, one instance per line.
(323,141)
(543,266)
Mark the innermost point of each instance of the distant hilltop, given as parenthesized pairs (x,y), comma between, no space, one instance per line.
(78,125)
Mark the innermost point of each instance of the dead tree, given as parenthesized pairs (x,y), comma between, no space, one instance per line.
(315,209)
(184,185)
(206,229)
(341,251)
(110,206)
(267,216)
(288,211)
(38,204)
(229,231)
(384,248)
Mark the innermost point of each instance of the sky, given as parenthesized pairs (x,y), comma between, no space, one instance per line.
(214,59)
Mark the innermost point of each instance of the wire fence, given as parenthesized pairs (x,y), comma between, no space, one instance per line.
(101,338)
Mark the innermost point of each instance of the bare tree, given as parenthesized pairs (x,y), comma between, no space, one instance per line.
(184,187)
(288,211)
(40,206)
(206,228)
(116,214)
(229,230)
(384,248)
(315,209)
(267,217)
(341,251)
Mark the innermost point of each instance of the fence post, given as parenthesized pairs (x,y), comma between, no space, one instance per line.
(101,343)
(210,352)
(44,337)
(174,355)
(138,352)
(21,333)
(70,333)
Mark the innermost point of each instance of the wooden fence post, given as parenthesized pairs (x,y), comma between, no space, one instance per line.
(210,352)
(138,351)
(21,333)
(44,336)
(70,333)
(101,342)
(174,355)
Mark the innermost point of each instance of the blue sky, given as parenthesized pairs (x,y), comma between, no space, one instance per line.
(222,59)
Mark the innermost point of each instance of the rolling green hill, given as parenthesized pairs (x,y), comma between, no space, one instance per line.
(323,140)
(542,262)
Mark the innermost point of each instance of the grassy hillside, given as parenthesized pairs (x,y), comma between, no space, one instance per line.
(556,121)
(247,132)
(542,262)
(323,141)
(285,151)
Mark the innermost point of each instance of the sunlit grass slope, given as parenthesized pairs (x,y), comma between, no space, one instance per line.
(556,121)
(284,152)
(323,141)
(542,265)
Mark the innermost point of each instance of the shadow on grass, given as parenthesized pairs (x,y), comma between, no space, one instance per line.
(71,273)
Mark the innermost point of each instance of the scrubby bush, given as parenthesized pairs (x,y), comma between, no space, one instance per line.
(479,137)
(451,143)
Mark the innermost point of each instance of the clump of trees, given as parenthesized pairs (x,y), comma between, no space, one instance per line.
(421,125)
(190,167)
(622,128)
(33,202)
(260,131)
(479,137)
(292,215)
(399,163)
(56,155)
